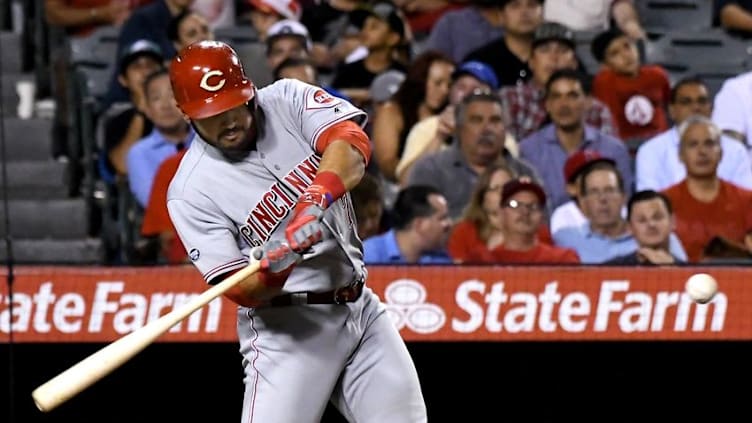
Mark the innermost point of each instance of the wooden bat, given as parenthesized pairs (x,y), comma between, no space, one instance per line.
(83,374)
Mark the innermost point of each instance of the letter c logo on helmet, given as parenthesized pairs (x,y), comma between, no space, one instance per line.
(208,79)
(205,81)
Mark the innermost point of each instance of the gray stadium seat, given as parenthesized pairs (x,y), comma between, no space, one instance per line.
(690,48)
(659,16)
(238,34)
(98,48)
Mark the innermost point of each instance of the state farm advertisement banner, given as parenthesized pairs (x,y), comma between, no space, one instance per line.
(440,303)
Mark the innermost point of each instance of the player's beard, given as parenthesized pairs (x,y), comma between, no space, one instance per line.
(237,140)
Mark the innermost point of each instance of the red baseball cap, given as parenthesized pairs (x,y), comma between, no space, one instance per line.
(522,184)
(576,163)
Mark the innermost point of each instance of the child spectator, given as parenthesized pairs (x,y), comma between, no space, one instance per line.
(636,94)
(382,32)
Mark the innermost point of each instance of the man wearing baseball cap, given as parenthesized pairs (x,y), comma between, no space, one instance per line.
(569,213)
(523,204)
(553,49)
(124,123)
(434,133)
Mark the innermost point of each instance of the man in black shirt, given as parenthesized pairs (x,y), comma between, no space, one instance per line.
(509,54)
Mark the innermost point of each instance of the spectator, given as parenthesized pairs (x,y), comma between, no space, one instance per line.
(548,148)
(297,68)
(423,93)
(474,238)
(508,56)
(478,144)
(658,165)
(705,205)
(651,221)
(368,202)
(421,227)
(287,38)
(732,108)
(435,132)
(636,94)
(607,234)
(123,124)
(284,38)
(218,13)
(523,205)
(265,13)
(156,222)
(148,22)
(459,32)
(524,105)
(570,213)
(596,15)
(188,27)
(735,16)
(78,20)
(171,134)
(382,32)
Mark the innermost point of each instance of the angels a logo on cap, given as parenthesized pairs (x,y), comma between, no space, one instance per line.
(212,87)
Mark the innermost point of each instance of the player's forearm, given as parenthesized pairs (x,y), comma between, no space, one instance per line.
(344,160)
(248,293)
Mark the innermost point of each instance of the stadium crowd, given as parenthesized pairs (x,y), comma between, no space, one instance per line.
(497,138)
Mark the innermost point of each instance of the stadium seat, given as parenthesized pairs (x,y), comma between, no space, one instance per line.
(659,16)
(690,48)
(98,48)
(237,34)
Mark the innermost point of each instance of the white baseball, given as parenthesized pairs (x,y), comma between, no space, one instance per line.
(701,287)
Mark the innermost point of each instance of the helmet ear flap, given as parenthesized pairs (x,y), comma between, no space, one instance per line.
(208,79)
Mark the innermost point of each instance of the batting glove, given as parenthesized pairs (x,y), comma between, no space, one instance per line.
(277,261)
(305,227)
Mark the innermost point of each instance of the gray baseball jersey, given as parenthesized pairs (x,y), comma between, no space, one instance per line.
(295,358)
(222,209)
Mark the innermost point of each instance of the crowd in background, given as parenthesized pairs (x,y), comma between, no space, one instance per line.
(493,139)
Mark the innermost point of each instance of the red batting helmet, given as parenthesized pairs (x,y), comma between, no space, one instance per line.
(208,79)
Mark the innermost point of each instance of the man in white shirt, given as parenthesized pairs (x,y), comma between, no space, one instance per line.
(657,163)
(732,109)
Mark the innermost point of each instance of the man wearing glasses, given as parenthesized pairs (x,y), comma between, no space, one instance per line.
(523,203)
(658,165)
(607,234)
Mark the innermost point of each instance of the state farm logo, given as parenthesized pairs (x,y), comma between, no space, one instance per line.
(406,305)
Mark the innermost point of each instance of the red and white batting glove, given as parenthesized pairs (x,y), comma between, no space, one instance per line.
(305,227)
(277,261)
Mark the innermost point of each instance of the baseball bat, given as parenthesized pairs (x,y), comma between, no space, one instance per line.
(83,374)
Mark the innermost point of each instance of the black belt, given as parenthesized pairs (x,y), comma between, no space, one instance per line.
(342,295)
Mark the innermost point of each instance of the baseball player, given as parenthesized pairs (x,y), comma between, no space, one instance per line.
(268,174)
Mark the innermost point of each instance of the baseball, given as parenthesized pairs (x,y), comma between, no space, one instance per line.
(701,287)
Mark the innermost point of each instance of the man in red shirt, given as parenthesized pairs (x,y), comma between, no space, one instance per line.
(705,205)
(523,203)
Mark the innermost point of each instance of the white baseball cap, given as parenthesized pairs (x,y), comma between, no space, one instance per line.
(289,27)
